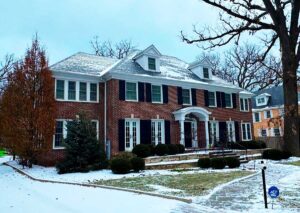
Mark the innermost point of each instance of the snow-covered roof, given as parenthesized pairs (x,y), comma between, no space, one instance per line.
(171,68)
(83,63)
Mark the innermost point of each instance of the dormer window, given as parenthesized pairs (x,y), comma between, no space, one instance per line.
(205,73)
(151,64)
(261,100)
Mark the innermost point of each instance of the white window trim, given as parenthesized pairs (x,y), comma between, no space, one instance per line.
(64,134)
(77,87)
(244,105)
(137,91)
(190,92)
(231,104)
(217,129)
(137,132)
(97,128)
(259,117)
(265,114)
(215,99)
(233,129)
(263,103)
(247,139)
(273,130)
(156,130)
(155,62)
(161,94)
(207,71)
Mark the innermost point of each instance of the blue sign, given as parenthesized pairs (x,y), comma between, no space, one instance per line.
(273,192)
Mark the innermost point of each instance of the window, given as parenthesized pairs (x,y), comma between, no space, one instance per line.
(281,112)
(244,104)
(151,64)
(132,137)
(211,99)
(157,132)
(131,91)
(156,94)
(205,73)
(263,133)
(72,90)
(60,89)
(214,131)
(96,127)
(268,114)
(58,137)
(246,131)
(257,117)
(276,131)
(261,100)
(186,96)
(82,91)
(228,100)
(298,96)
(231,131)
(93,92)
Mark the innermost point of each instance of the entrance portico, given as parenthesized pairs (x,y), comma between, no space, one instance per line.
(181,116)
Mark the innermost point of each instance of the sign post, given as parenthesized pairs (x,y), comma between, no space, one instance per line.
(263,168)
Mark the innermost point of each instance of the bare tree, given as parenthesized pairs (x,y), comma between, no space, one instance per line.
(107,49)
(5,67)
(279,21)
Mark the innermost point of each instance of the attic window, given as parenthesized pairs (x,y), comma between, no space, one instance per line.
(151,64)
(205,73)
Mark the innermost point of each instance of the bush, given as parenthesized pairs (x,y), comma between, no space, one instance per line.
(181,148)
(161,149)
(204,163)
(152,149)
(125,155)
(217,163)
(248,145)
(286,154)
(142,150)
(137,164)
(120,165)
(232,162)
(173,149)
(272,154)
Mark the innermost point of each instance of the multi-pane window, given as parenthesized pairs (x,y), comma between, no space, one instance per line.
(156,94)
(211,99)
(127,134)
(263,132)
(276,131)
(82,91)
(231,131)
(244,104)
(132,138)
(246,131)
(260,100)
(298,96)
(257,116)
(214,131)
(157,132)
(60,89)
(58,137)
(228,101)
(95,126)
(205,73)
(151,64)
(268,114)
(71,90)
(186,96)
(131,91)
(93,92)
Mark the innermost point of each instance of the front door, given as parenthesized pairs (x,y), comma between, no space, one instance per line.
(132,129)
(187,134)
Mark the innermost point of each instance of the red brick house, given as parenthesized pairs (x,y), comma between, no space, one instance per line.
(148,98)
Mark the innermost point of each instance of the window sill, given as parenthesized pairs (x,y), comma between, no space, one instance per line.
(75,101)
(186,104)
(212,106)
(59,148)
(157,102)
(131,100)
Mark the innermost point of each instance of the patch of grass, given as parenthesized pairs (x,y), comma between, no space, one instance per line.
(181,170)
(189,184)
(2,153)
(296,163)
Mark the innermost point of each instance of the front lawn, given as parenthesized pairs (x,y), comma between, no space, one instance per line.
(182,185)
(295,163)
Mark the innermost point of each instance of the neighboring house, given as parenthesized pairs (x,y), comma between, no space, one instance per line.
(149,98)
(268,112)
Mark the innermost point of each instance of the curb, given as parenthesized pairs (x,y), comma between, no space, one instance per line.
(100,186)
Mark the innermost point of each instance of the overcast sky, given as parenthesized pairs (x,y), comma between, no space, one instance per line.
(66,26)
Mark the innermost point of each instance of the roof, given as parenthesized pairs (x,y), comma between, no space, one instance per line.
(83,63)
(275,97)
(171,68)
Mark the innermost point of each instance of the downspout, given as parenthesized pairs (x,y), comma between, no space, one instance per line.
(105,137)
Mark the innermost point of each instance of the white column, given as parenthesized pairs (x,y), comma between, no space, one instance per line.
(181,122)
(206,134)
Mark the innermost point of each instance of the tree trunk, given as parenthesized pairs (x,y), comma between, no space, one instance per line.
(291,118)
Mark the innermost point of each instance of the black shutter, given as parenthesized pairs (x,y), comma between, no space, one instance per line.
(141,91)
(165,94)
(145,131)
(222,132)
(179,95)
(223,99)
(167,132)
(148,93)
(121,90)
(219,99)
(121,130)
(237,131)
(194,97)
(209,133)
(234,100)
(206,100)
